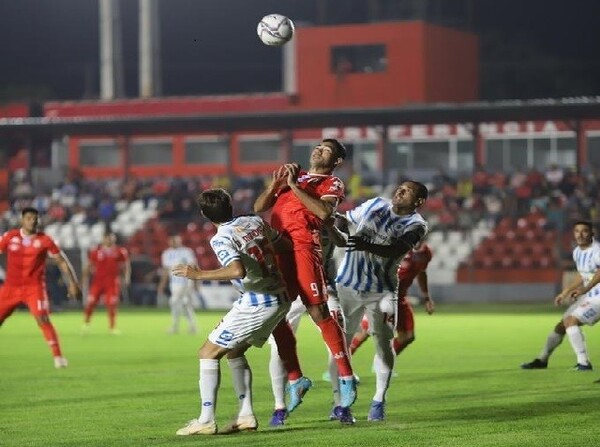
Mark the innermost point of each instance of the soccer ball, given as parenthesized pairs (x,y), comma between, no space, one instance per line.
(275,30)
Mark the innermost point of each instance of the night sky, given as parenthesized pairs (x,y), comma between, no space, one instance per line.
(49,48)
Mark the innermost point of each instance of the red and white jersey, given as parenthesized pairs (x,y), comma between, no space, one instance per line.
(107,261)
(26,257)
(293,219)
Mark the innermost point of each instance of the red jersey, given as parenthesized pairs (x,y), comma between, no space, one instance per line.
(293,219)
(106,262)
(414,262)
(26,257)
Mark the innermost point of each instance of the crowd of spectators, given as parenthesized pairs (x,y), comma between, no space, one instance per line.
(456,202)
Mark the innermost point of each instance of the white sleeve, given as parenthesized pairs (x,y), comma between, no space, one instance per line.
(224,249)
(356,214)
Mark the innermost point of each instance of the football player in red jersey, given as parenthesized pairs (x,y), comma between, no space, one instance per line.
(105,262)
(26,251)
(301,201)
(414,265)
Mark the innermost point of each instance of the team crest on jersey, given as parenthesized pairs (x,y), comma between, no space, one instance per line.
(26,242)
(336,185)
(307,178)
(15,240)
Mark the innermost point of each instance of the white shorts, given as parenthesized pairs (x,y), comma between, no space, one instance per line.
(357,304)
(245,324)
(586,310)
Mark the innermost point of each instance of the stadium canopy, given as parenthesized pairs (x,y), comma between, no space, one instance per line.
(567,109)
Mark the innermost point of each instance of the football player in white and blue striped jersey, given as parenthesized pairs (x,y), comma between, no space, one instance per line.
(245,248)
(383,232)
(585,289)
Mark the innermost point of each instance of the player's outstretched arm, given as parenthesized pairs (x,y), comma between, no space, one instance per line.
(74,289)
(395,250)
(234,270)
(423,282)
(127,272)
(567,292)
(581,290)
(323,208)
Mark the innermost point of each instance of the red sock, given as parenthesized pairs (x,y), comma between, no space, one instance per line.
(89,309)
(336,342)
(356,343)
(398,346)
(51,338)
(286,346)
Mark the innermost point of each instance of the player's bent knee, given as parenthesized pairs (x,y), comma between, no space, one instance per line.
(571,321)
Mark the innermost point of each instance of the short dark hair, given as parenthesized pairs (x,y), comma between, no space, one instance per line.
(587,223)
(29,210)
(421,190)
(340,149)
(215,205)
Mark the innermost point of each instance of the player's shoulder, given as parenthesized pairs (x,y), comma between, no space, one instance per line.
(418,218)
(596,247)
(43,236)
(377,201)
(13,232)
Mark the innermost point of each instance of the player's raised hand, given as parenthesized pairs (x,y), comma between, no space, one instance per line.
(279,176)
(292,170)
(186,271)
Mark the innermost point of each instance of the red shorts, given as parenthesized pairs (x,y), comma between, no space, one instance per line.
(108,290)
(406,319)
(34,297)
(304,275)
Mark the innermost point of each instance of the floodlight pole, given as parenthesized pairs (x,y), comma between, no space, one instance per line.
(149,45)
(111,54)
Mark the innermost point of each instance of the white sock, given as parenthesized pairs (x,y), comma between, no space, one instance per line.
(383,373)
(210,379)
(552,343)
(278,377)
(241,375)
(577,340)
(335,383)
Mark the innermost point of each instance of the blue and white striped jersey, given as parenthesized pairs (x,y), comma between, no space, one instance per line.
(248,239)
(587,261)
(376,222)
(180,255)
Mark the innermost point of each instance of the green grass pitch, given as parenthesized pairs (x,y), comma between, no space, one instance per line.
(459,384)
